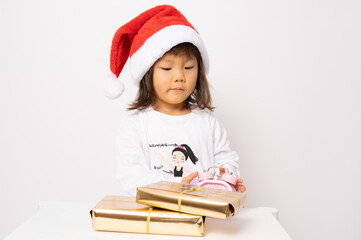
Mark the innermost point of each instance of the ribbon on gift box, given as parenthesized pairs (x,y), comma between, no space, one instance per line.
(123,214)
(148,218)
(132,201)
(181,195)
(191,199)
(222,193)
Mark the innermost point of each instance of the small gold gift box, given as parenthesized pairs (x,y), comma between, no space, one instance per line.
(191,199)
(123,214)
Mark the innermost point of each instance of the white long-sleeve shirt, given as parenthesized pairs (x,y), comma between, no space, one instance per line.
(146,140)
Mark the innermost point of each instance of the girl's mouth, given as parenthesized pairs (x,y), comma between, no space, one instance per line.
(177,89)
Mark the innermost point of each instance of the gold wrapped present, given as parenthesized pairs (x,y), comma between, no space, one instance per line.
(123,214)
(191,199)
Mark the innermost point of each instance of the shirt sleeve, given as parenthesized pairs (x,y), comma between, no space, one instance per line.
(223,154)
(132,164)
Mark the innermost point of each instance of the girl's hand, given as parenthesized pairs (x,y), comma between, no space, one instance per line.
(189,178)
(239,187)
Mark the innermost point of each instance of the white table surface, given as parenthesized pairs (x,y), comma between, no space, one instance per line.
(59,220)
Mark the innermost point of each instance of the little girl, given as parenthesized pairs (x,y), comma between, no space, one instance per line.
(169,62)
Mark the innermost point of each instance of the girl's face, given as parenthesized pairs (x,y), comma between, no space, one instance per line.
(178,157)
(174,80)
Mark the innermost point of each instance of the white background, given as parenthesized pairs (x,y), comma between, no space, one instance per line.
(286,79)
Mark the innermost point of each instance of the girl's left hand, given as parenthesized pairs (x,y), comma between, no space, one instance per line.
(239,187)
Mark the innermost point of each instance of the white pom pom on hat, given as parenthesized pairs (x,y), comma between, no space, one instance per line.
(113,87)
(144,40)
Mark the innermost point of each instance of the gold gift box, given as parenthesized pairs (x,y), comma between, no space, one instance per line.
(191,199)
(123,214)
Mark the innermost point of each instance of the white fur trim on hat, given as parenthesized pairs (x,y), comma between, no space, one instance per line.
(161,42)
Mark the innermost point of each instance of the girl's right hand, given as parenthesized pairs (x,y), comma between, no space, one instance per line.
(189,178)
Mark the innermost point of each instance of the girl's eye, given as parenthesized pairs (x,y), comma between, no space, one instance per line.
(166,69)
(188,68)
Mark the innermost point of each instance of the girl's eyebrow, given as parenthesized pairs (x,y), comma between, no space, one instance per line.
(169,60)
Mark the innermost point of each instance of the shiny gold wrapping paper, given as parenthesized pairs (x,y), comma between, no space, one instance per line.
(191,199)
(123,214)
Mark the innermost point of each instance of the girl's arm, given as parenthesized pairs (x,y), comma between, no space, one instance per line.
(223,154)
(132,163)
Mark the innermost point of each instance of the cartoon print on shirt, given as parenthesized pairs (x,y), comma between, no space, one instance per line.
(180,154)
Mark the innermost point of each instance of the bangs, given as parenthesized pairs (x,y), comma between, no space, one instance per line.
(185,49)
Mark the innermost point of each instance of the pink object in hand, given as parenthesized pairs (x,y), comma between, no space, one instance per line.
(205,176)
(226,182)
(229,178)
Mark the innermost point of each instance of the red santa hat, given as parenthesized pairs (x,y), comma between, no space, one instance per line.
(144,40)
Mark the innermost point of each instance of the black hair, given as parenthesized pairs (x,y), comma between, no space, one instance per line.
(187,151)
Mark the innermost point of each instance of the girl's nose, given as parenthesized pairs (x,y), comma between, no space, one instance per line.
(179,77)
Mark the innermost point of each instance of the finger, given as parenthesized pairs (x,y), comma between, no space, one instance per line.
(189,178)
(193,175)
(241,188)
(222,170)
(239,180)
